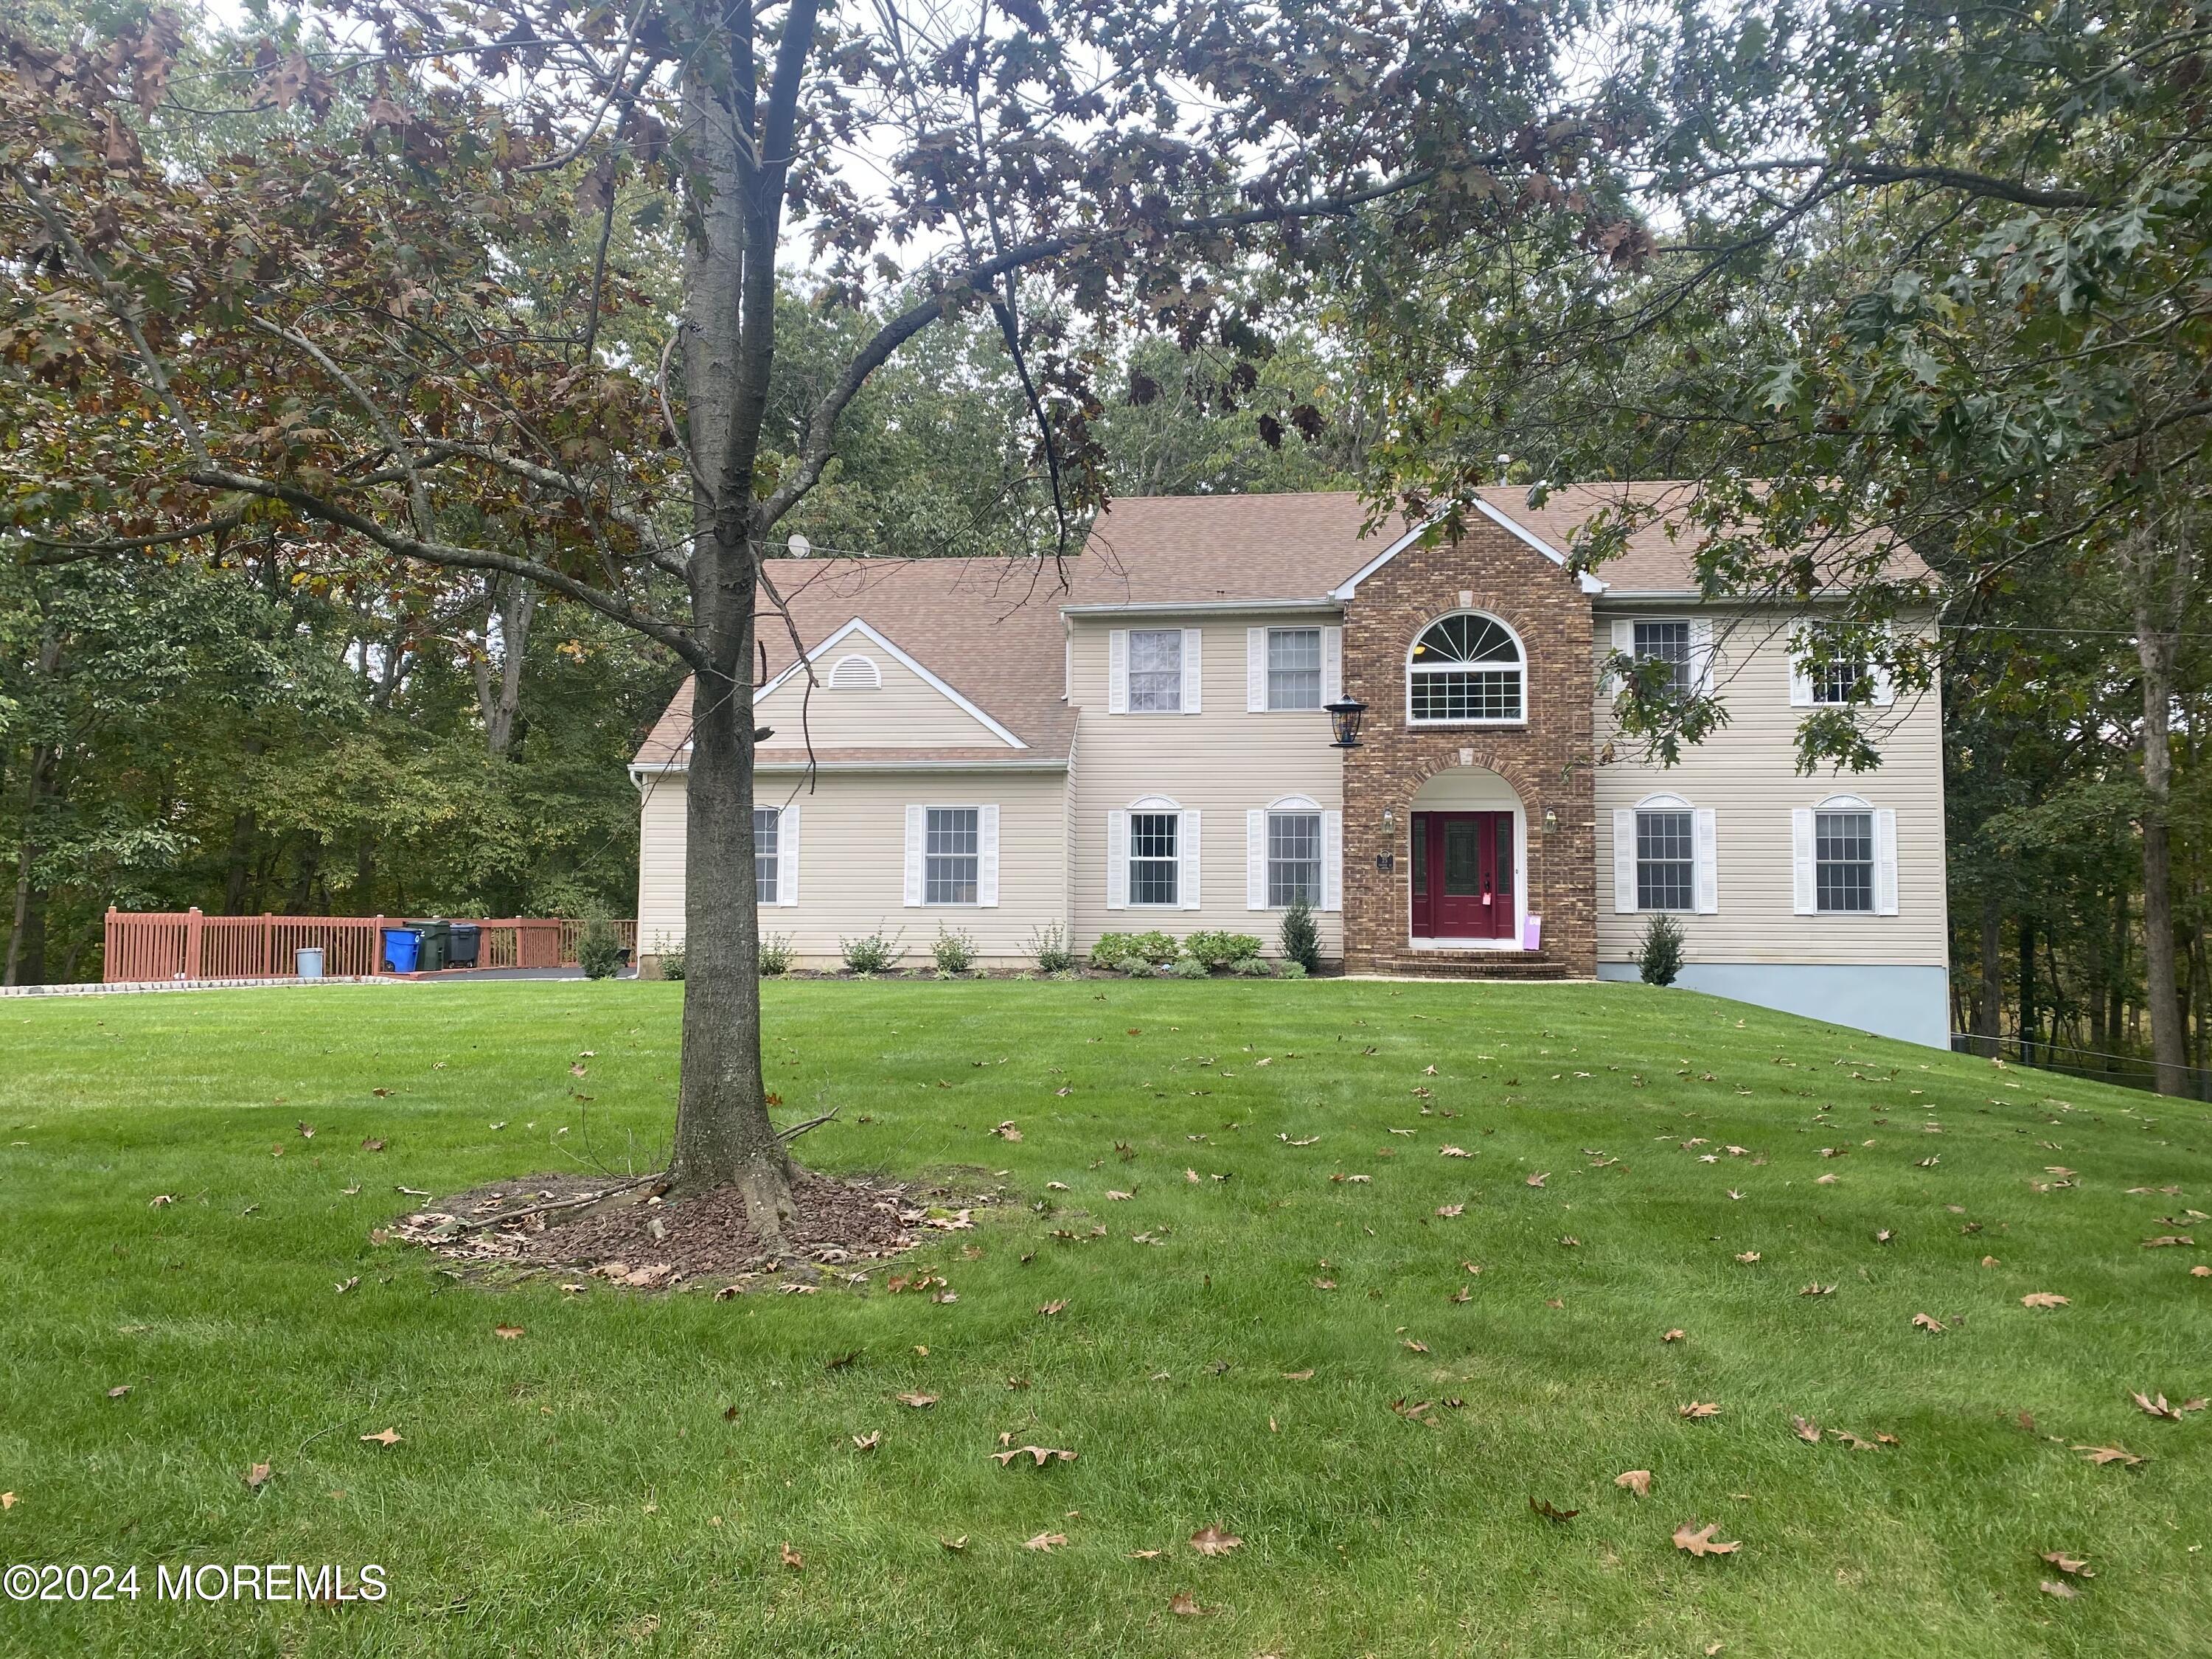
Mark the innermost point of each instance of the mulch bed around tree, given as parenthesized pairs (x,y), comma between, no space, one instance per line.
(836,1229)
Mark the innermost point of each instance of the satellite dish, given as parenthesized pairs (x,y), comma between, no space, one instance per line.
(799,547)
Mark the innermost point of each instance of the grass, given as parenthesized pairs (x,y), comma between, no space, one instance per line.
(621,1479)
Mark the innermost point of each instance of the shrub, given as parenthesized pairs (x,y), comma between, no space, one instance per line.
(1114,949)
(1291,970)
(871,953)
(1660,958)
(776,955)
(1190,968)
(1301,939)
(1137,968)
(598,953)
(1222,949)
(1252,966)
(1049,944)
(954,951)
(671,956)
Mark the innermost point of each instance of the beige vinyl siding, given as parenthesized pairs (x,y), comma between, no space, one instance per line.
(906,712)
(852,863)
(660,844)
(1746,773)
(1222,762)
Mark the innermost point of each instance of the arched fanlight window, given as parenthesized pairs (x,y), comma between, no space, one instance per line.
(856,673)
(1465,668)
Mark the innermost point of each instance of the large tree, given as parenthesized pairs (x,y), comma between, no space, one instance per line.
(372,294)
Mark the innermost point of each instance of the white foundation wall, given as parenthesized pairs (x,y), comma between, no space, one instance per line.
(852,863)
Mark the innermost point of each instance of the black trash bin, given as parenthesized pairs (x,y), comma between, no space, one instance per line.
(462,948)
(437,940)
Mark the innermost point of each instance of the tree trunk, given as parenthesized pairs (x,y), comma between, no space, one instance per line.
(512,602)
(1992,998)
(2155,647)
(2026,943)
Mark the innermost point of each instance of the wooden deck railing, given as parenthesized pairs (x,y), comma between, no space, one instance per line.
(145,946)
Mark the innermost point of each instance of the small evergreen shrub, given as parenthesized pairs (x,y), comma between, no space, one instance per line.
(776,955)
(953,951)
(1190,968)
(871,953)
(1660,956)
(1217,950)
(598,953)
(1291,970)
(1252,966)
(1300,938)
(1049,944)
(671,956)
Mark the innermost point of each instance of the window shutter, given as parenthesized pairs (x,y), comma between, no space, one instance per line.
(917,837)
(1801,684)
(1255,671)
(1256,859)
(1705,885)
(1885,862)
(1701,654)
(1624,643)
(1624,861)
(1332,861)
(987,856)
(1332,664)
(1186,849)
(1117,672)
(1190,674)
(786,856)
(1885,689)
(1801,857)
(1117,861)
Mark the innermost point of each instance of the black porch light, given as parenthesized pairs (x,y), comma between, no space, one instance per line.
(1345,717)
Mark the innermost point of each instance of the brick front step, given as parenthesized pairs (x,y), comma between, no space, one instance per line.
(1470,965)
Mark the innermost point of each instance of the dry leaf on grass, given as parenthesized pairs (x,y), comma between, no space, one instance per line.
(1697,1408)
(1044,1455)
(791,1557)
(507,1332)
(2103,1455)
(1146,1555)
(2042,1299)
(1184,1605)
(1538,1180)
(256,1478)
(957,1545)
(387,1438)
(1452,1152)
(1305,1376)
(2200,1271)
(1212,1541)
(870,1441)
(1747,1257)
(1808,1429)
(1448,1211)
(118,1391)
(2158,1407)
(2073,1566)
(1674,1335)
(2063,1591)
(1044,1541)
(1054,1307)
(1817,1289)
(1928,1322)
(1825,1181)
(1413,1346)
(1557,1516)
(1636,1480)
(2165,1240)
(919,1401)
(1700,1541)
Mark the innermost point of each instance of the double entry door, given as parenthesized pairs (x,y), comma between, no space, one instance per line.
(1463,875)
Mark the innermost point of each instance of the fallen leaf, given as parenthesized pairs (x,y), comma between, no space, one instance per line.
(2073,1566)
(2165,1240)
(1146,1555)
(1118,1197)
(1212,1541)
(1808,1429)
(1184,1605)
(306,1131)
(1324,1283)
(1543,1507)
(118,1391)
(507,1332)
(387,1437)
(870,1441)
(1747,1257)
(1448,1211)
(956,1545)
(1305,1376)
(1455,1151)
(2042,1299)
(2063,1591)
(1007,1131)
(161,1199)
(1700,1541)
(1883,1236)
(2159,1407)
(1636,1480)
(2103,1455)
(1538,1180)
(1674,1335)
(1416,1347)
(919,1401)
(1045,1540)
(1050,1307)
(1928,1322)
(1697,1408)
(256,1478)
(791,1557)
(1817,1289)
(2200,1271)
(372,1144)
(1826,1180)
(1044,1455)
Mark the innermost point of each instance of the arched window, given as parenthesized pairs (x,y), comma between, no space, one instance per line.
(856,673)
(1466,669)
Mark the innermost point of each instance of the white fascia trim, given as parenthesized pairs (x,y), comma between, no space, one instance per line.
(1620,598)
(638,773)
(1181,607)
(1589,583)
(857,626)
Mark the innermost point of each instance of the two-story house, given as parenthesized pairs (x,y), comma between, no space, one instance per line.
(1144,744)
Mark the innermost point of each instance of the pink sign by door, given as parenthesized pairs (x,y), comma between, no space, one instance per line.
(1532,931)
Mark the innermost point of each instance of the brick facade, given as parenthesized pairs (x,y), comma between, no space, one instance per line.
(1548,762)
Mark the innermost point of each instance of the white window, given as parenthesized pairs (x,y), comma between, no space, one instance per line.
(1293,860)
(1293,852)
(952,855)
(1152,855)
(775,855)
(1464,669)
(1291,669)
(1668,643)
(1666,857)
(1155,671)
(765,848)
(1845,856)
(1835,682)
(856,673)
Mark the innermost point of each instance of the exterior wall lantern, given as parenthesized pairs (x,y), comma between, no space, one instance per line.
(1386,859)
(1345,717)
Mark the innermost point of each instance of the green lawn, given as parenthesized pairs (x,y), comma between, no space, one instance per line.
(621,1478)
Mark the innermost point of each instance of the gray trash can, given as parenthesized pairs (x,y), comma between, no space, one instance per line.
(308,958)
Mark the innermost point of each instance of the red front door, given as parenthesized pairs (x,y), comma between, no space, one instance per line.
(1463,875)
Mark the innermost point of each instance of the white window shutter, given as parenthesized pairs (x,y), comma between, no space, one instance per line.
(1885,861)
(1706,884)
(1255,671)
(1701,654)
(786,856)
(1256,859)
(1186,849)
(1190,674)
(1801,859)
(1624,643)
(917,842)
(1117,861)
(1332,861)
(1117,672)
(1332,664)
(1624,861)
(1885,688)
(987,856)
(1801,679)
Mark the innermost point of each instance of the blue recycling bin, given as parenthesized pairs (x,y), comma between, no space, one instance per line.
(401,946)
